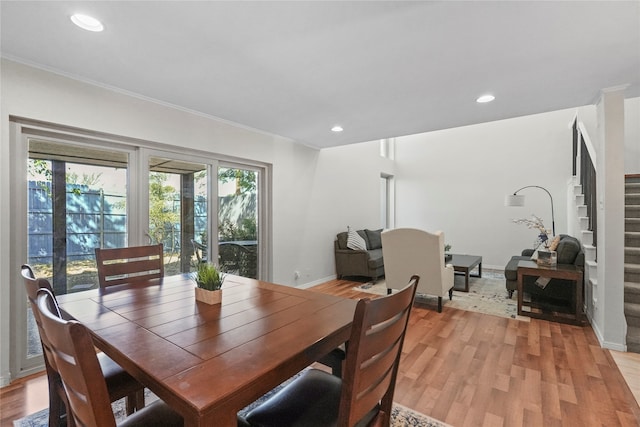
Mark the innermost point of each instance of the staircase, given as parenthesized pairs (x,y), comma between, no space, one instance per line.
(632,262)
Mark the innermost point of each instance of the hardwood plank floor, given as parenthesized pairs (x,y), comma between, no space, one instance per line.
(470,369)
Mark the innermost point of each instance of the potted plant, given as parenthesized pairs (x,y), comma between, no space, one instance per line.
(209,281)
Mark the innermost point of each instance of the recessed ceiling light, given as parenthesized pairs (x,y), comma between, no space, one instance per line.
(337,128)
(86,22)
(485,98)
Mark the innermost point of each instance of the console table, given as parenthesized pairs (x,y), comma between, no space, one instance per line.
(536,307)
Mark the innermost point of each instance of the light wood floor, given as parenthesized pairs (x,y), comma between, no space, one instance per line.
(470,369)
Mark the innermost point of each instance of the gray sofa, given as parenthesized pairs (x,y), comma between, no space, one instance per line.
(368,263)
(569,251)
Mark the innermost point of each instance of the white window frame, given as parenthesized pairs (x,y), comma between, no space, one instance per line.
(21,129)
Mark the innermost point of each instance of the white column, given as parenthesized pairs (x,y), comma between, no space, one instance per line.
(609,311)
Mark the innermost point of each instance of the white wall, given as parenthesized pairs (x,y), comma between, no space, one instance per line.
(345,185)
(455,180)
(315,194)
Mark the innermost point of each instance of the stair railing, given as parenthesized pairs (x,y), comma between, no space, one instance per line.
(584,167)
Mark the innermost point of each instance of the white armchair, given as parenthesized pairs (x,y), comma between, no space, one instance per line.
(409,251)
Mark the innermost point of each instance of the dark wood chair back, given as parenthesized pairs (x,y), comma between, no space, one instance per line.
(373,356)
(72,349)
(364,395)
(130,264)
(58,402)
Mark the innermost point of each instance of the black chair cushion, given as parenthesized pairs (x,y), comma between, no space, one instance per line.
(311,400)
(156,414)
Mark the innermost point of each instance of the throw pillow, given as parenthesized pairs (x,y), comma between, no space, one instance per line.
(568,250)
(355,241)
(554,243)
(375,240)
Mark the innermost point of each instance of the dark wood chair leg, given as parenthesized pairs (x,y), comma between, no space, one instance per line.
(135,401)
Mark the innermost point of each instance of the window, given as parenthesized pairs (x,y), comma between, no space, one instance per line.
(85,190)
(238,220)
(387,207)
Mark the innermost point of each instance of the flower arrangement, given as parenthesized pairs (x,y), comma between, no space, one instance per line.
(536,223)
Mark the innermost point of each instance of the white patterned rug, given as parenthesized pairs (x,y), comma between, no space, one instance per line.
(487,294)
(401,416)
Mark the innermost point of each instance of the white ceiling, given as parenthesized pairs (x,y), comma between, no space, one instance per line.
(378,68)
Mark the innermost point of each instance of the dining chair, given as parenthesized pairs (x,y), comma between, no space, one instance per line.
(364,395)
(408,251)
(200,251)
(124,265)
(71,346)
(119,383)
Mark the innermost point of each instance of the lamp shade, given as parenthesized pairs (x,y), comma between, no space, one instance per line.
(513,200)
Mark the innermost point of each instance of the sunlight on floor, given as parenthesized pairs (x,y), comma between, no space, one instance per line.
(629,365)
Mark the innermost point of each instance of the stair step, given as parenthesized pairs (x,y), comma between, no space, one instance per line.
(634,335)
(581,210)
(632,292)
(584,223)
(579,199)
(632,198)
(587,237)
(631,255)
(632,287)
(590,253)
(631,211)
(592,268)
(631,276)
(632,268)
(632,310)
(633,339)
(632,238)
(577,189)
(630,224)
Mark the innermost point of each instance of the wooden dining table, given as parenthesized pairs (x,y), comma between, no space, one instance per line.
(209,361)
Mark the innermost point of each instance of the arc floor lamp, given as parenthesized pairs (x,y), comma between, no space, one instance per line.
(516,199)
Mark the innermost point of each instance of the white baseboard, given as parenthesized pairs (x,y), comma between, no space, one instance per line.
(316,282)
(5,380)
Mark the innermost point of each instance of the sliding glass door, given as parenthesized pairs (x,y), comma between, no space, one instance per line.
(76,201)
(238,220)
(178,211)
(84,191)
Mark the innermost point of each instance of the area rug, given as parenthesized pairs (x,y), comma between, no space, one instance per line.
(401,416)
(487,295)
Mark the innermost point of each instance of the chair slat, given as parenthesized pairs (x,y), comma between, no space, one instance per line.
(124,265)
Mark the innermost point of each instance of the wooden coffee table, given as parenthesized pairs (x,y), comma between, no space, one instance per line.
(463,264)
